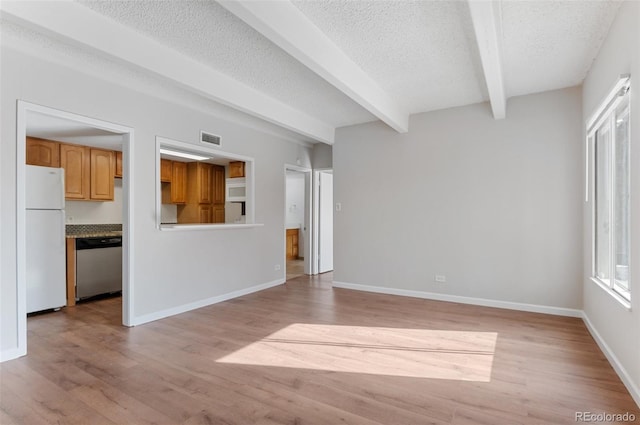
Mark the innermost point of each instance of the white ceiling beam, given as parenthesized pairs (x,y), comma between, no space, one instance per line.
(487,24)
(288,28)
(75,22)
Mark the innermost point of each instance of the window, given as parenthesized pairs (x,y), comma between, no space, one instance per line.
(609,136)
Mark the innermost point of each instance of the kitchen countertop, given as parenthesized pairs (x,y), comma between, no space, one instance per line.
(95,235)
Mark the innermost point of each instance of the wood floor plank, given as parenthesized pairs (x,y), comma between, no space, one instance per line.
(305,353)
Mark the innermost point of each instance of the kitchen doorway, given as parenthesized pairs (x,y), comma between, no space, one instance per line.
(298,247)
(52,126)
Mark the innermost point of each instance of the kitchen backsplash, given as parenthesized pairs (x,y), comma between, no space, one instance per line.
(79,229)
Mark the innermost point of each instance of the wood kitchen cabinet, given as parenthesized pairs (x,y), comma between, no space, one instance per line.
(77,168)
(88,172)
(218,214)
(236,169)
(218,184)
(199,181)
(165,170)
(292,244)
(118,171)
(178,182)
(102,174)
(45,153)
(205,194)
(173,178)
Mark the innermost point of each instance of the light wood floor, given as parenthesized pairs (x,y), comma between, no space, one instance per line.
(304,353)
(295,268)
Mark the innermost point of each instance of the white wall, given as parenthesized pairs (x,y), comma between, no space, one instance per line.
(495,206)
(294,209)
(322,156)
(170,269)
(618,327)
(85,212)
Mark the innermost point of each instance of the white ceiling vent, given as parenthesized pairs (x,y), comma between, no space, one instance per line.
(209,138)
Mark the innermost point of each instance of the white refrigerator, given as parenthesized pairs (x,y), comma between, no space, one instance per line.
(45,243)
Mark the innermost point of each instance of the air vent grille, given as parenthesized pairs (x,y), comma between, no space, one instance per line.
(209,138)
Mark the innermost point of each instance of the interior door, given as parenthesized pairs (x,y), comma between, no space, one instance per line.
(325,223)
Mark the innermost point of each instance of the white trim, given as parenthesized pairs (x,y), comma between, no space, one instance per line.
(23,108)
(205,302)
(196,226)
(214,152)
(625,303)
(309,238)
(10,354)
(623,80)
(128,305)
(534,308)
(315,265)
(632,387)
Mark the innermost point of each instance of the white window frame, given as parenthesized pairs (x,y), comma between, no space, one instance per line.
(606,114)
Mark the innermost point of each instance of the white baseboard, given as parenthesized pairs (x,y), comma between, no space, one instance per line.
(203,303)
(558,311)
(11,353)
(634,390)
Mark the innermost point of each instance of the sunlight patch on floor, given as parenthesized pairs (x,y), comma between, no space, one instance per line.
(418,353)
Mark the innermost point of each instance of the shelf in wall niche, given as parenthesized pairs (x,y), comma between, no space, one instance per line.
(186,227)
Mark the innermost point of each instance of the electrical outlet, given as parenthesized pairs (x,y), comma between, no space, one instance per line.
(276,267)
(338,206)
(440,278)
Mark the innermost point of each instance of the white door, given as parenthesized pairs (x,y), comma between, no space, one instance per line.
(325,223)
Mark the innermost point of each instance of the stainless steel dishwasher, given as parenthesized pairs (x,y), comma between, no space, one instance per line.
(98,266)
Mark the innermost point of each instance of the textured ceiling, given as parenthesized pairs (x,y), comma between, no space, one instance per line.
(551,44)
(423,54)
(86,60)
(208,33)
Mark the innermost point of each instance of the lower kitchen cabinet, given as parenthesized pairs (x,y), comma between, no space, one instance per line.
(71,272)
(292,244)
(218,214)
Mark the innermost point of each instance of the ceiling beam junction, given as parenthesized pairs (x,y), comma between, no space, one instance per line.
(290,29)
(487,24)
(71,21)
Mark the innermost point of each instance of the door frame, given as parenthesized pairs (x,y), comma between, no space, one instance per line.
(316,215)
(23,108)
(309,253)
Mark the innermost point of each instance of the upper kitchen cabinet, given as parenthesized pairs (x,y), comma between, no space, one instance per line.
(44,153)
(118,171)
(88,172)
(165,170)
(173,179)
(178,182)
(75,161)
(236,169)
(102,174)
